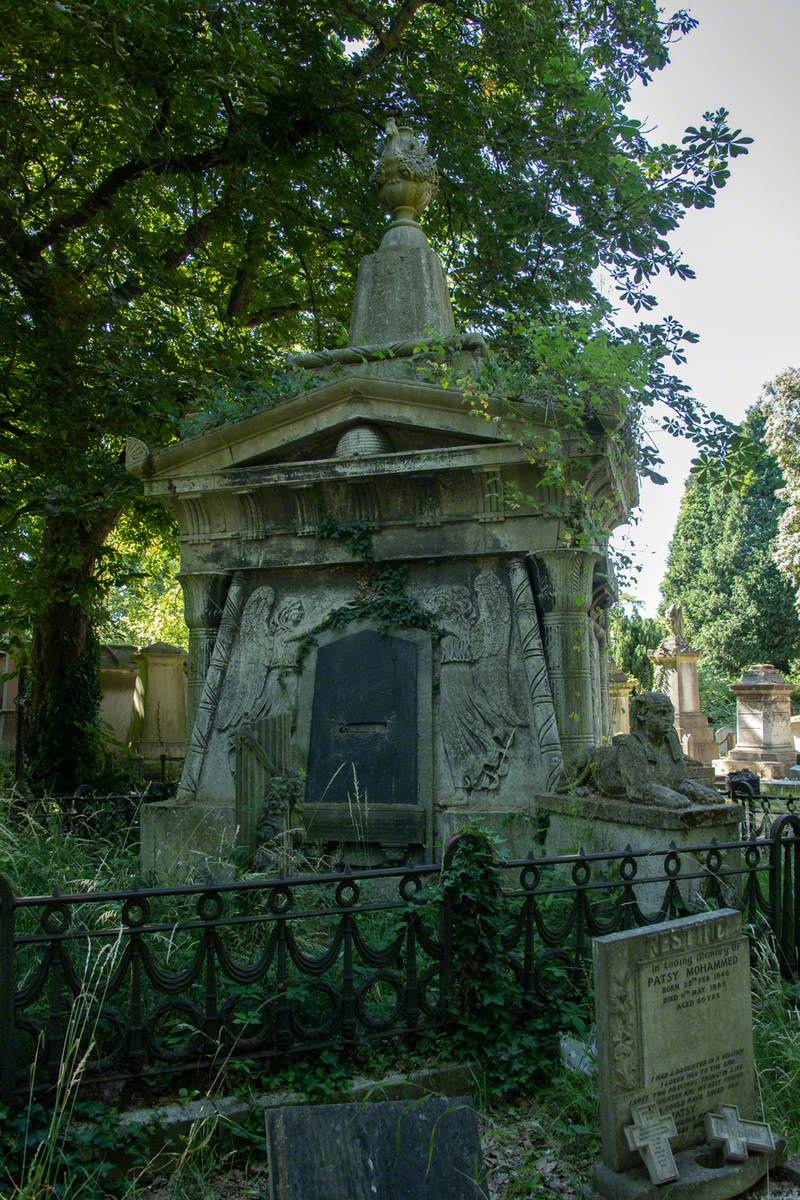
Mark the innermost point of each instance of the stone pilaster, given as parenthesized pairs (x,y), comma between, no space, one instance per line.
(203,601)
(565,590)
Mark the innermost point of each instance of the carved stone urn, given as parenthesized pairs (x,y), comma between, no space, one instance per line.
(406,174)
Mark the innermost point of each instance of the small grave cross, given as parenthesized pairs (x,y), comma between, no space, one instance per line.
(735,1136)
(650,1134)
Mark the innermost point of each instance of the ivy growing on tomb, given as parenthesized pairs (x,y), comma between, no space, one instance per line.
(381,597)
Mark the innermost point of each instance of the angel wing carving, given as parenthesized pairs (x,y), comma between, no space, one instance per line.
(251,658)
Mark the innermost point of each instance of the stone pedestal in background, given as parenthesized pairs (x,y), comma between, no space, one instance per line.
(675,662)
(121,704)
(162,675)
(764,739)
(620,688)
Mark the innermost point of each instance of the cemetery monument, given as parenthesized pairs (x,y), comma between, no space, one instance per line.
(675,663)
(363,604)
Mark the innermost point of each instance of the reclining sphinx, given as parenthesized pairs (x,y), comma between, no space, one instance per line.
(647,765)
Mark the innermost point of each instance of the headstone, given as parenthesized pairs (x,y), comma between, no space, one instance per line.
(674,1026)
(393,1150)
(674,1043)
(676,663)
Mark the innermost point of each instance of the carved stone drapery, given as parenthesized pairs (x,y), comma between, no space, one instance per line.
(565,578)
(533,659)
(203,603)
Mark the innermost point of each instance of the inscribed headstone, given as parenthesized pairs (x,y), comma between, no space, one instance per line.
(674,1026)
(393,1150)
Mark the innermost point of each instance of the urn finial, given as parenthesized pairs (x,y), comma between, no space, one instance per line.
(406,174)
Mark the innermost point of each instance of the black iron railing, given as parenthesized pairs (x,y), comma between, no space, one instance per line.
(133,988)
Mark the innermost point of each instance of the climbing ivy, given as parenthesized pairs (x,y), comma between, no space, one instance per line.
(381,597)
(513,1040)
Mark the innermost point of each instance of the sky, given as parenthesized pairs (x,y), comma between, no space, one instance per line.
(745,250)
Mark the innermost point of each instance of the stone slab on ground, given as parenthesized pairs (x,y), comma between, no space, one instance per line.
(674,1027)
(392,1150)
(703,1175)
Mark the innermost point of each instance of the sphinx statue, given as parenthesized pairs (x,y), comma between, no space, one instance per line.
(647,765)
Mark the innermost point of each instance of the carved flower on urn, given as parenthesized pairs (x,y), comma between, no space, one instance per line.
(406,174)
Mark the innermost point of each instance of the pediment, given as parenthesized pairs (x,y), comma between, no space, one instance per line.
(411,416)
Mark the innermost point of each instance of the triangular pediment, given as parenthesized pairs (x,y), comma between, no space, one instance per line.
(411,416)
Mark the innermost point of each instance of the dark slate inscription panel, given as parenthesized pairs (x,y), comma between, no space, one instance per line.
(364,720)
(393,1150)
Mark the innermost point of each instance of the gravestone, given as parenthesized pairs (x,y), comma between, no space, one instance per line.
(391,1150)
(674,1044)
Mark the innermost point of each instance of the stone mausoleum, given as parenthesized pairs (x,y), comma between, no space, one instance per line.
(364,605)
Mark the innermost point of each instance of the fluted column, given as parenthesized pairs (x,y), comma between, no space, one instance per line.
(565,591)
(203,602)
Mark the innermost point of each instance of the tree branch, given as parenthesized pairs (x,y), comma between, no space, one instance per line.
(388,40)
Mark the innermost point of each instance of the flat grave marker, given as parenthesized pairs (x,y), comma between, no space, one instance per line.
(390,1150)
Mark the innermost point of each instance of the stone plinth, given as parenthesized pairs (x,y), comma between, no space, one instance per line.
(620,688)
(764,739)
(162,676)
(598,824)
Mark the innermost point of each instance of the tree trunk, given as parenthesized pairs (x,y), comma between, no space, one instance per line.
(65,748)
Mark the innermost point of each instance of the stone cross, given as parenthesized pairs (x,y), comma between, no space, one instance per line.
(650,1134)
(735,1136)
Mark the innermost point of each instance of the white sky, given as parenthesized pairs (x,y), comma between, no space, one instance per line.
(745,250)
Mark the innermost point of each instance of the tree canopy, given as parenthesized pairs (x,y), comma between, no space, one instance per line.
(185,197)
(738,607)
(782,411)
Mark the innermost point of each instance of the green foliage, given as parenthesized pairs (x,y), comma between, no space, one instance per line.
(738,608)
(226,400)
(717,700)
(381,598)
(782,411)
(513,1045)
(632,636)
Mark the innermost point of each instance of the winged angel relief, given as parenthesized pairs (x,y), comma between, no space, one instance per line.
(479,715)
(259,678)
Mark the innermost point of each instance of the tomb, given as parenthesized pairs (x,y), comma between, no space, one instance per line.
(377,587)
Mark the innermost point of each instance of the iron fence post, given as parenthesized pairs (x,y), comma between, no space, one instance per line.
(785,891)
(8,1073)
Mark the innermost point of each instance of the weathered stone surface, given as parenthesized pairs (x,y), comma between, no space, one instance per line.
(764,739)
(651,1135)
(517,680)
(702,1176)
(735,1137)
(647,765)
(674,1026)
(395,1150)
(600,824)
(676,662)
